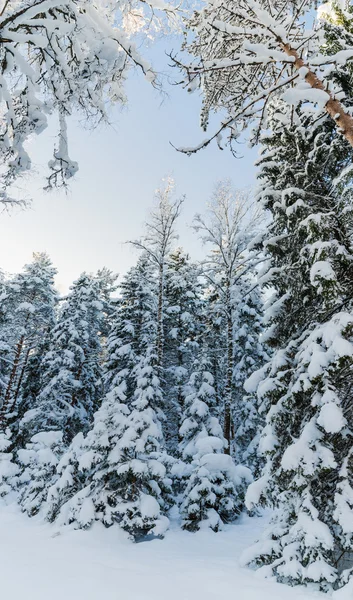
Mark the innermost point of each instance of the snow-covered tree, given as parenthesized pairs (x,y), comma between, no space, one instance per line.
(249,52)
(124,478)
(60,57)
(133,323)
(215,490)
(305,389)
(157,242)
(183,324)
(107,282)
(232,221)
(9,470)
(71,379)
(249,355)
(38,462)
(28,314)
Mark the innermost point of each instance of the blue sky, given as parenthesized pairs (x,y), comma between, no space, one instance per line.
(120,167)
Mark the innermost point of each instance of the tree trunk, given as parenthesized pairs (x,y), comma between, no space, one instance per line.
(160,329)
(20,379)
(12,378)
(227,427)
(334,108)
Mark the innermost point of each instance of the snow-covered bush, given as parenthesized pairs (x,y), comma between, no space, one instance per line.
(8,468)
(39,461)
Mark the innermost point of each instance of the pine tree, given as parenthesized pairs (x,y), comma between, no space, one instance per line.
(133,323)
(107,283)
(38,461)
(306,387)
(214,494)
(28,314)
(124,479)
(249,355)
(9,470)
(183,328)
(71,381)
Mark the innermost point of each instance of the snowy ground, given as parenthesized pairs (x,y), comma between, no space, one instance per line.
(37,563)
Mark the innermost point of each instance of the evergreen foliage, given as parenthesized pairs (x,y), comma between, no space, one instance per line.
(249,355)
(71,380)
(124,479)
(215,490)
(184,311)
(305,388)
(27,315)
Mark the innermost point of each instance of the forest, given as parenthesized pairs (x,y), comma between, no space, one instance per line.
(199,406)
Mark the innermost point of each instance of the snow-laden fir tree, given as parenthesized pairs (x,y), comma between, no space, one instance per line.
(9,470)
(32,384)
(79,494)
(70,391)
(107,282)
(133,322)
(183,323)
(5,348)
(38,463)
(215,489)
(71,379)
(305,389)
(120,463)
(28,315)
(249,355)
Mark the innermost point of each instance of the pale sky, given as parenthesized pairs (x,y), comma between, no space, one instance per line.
(119,169)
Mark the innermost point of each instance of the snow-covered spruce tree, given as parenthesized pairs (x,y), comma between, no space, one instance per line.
(133,330)
(215,490)
(28,314)
(249,355)
(121,462)
(183,324)
(230,224)
(133,322)
(32,385)
(70,392)
(107,282)
(71,380)
(63,56)
(305,181)
(248,52)
(38,462)
(5,348)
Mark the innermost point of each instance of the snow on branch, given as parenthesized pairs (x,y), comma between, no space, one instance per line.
(248,52)
(62,56)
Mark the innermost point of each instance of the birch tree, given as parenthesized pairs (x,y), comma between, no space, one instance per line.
(247,52)
(228,227)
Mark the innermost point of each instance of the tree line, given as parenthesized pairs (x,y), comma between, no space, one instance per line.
(123,399)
